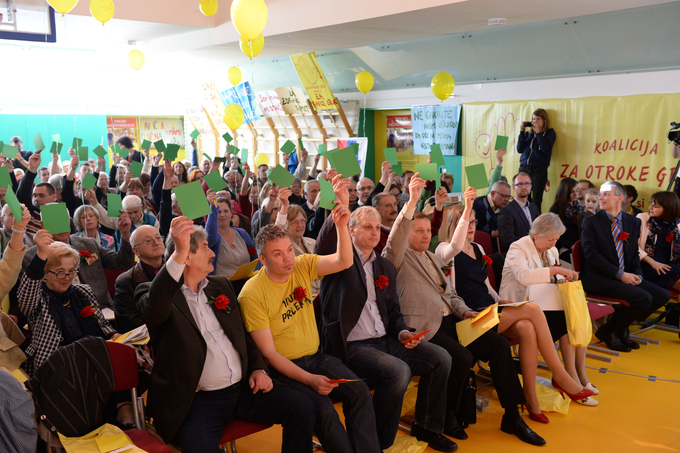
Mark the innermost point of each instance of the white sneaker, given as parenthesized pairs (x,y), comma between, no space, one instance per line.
(588,402)
(592,388)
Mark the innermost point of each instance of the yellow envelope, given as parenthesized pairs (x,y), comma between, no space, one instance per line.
(118,443)
(472,328)
(19,375)
(122,337)
(245,271)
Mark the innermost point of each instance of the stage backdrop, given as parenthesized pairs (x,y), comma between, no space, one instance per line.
(598,138)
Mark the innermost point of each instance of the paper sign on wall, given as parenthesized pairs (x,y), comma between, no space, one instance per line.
(242,95)
(313,79)
(214,108)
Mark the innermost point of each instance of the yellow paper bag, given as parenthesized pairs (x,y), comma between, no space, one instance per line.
(106,435)
(579,326)
(407,444)
(549,399)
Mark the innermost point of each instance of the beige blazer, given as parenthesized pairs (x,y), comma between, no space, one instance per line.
(10,266)
(523,267)
(644,231)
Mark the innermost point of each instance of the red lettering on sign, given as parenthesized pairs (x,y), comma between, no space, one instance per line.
(599,170)
(613,145)
(564,171)
(605,147)
(589,171)
(621,172)
(633,144)
(574,172)
(644,171)
(660,177)
(610,169)
(630,173)
(654,149)
(597,148)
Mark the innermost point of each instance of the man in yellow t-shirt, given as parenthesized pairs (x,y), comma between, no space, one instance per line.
(277,310)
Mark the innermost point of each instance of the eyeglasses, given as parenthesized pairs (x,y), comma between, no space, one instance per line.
(653,205)
(364,189)
(151,240)
(474,222)
(523,184)
(298,222)
(507,197)
(61,275)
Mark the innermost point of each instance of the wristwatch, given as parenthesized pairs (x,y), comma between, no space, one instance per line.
(264,371)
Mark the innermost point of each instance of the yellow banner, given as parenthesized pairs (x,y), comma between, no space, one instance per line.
(598,138)
(313,79)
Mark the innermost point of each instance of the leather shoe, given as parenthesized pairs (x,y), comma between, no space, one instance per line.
(624,337)
(453,429)
(612,341)
(435,440)
(521,430)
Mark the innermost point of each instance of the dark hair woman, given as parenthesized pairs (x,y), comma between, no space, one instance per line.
(660,241)
(568,208)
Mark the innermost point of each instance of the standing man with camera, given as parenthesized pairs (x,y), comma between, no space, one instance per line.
(536,150)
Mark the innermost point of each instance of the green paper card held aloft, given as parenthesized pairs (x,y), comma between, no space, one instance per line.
(215,181)
(55,218)
(436,155)
(120,151)
(327,195)
(100,151)
(207,157)
(10,151)
(192,200)
(344,161)
(429,173)
(89,181)
(355,147)
(13,203)
(227,137)
(397,169)
(288,147)
(160,146)
(56,138)
(77,143)
(195,134)
(300,143)
(501,142)
(56,147)
(38,142)
(5,180)
(220,159)
(322,149)
(83,154)
(136,168)
(171,152)
(244,155)
(233,150)
(146,144)
(114,204)
(476,176)
(281,177)
(391,155)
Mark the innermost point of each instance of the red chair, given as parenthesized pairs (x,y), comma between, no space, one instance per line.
(111,276)
(492,277)
(484,239)
(238,429)
(577,259)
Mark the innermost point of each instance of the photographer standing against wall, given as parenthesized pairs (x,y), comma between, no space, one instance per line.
(536,149)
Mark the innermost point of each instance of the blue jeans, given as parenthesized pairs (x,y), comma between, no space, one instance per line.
(388,365)
(211,411)
(361,435)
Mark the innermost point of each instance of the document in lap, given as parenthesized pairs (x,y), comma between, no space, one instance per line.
(472,328)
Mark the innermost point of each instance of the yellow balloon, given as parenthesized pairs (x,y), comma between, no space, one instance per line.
(249,17)
(102,10)
(136,58)
(63,6)
(262,159)
(257,45)
(442,85)
(364,81)
(233,116)
(234,75)
(208,7)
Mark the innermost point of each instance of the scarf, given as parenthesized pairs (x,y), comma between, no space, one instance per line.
(663,229)
(572,211)
(72,326)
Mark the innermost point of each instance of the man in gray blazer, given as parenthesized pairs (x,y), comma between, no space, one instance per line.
(429,301)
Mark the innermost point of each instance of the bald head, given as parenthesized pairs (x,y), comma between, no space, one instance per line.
(147,244)
(365,186)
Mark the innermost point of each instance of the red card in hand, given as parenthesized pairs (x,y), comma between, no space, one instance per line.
(417,336)
(342,381)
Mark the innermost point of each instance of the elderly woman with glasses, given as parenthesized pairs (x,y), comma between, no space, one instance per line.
(58,310)
(87,223)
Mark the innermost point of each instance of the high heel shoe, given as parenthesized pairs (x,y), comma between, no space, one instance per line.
(585,393)
(540,418)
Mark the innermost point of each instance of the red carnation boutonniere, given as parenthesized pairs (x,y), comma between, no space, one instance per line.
(88,312)
(87,257)
(221,302)
(487,261)
(381,282)
(447,269)
(300,294)
(252,251)
(623,236)
(669,237)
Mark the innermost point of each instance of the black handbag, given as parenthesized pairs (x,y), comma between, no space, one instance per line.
(467,410)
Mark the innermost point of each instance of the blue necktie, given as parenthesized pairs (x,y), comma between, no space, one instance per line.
(618,242)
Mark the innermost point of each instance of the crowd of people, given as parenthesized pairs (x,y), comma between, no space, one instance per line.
(344,304)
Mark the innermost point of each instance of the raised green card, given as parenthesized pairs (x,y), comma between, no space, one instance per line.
(233,150)
(56,138)
(83,154)
(322,149)
(300,143)
(192,200)
(391,155)
(227,137)
(344,161)
(281,177)
(10,151)
(429,173)
(120,151)
(171,152)
(476,176)
(327,195)
(160,146)
(436,155)
(77,143)
(89,181)
(244,155)
(100,151)
(288,147)
(56,147)
(397,169)
(5,179)
(215,181)
(136,168)
(13,203)
(38,142)
(55,218)
(355,147)
(114,204)
(220,159)
(501,142)
(146,144)
(207,157)
(195,134)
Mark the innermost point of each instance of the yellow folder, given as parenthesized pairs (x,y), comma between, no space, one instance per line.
(245,271)
(472,328)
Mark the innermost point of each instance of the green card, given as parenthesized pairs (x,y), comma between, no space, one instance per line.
(327,195)
(281,177)
(227,137)
(476,176)
(195,134)
(5,180)
(192,200)
(170,151)
(56,138)
(100,151)
(207,157)
(355,147)
(55,218)
(429,173)
(146,144)
(436,155)
(136,168)
(220,159)
(233,150)
(322,149)
(88,181)
(10,151)
(288,147)
(120,151)
(391,156)
(114,204)
(501,142)
(56,147)
(244,155)
(13,203)
(77,143)
(160,146)
(215,181)
(300,143)
(83,154)
(344,161)
(397,169)
(38,142)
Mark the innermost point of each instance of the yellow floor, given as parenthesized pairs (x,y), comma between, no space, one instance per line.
(635,414)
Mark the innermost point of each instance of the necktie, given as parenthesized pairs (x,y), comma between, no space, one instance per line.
(618,242)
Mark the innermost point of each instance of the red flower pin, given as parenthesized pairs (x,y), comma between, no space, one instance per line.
(487,261)
(300,294)
(88,312)
(381,282)
(252,251)
(670,237)
(623,236)
(221,302)
(447,268)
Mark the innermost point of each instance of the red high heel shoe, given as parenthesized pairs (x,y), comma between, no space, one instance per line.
(540,418)
(578,396)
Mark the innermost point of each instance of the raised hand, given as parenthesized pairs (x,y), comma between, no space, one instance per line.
(212,196)
(284,193)
(90,196)
(340,188)
(181,229)
(341,215)
(124,225)
(20,224)
(34,161)
(470,195)
(386,169)
(43,240)
(415,186)
(303,155)
(440,198)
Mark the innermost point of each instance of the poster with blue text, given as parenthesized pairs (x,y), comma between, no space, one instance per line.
(242,94)
(435,124)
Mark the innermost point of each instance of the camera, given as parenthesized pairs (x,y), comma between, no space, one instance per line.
(674,133)
(528,124)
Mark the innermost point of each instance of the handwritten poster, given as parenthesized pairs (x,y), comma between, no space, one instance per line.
(435,124)
(313,79)
(198,119)
(270,103)
(293,100)
(168,129)
(214,108)
(242,94)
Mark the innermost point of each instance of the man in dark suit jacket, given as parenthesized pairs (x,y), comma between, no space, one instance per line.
(363,326)
(207,370)
(514,219)
(487,208)
(607,273)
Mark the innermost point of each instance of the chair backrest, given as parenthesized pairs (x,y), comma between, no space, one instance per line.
(124,364)
(111,276)
(484,239)
(577,255)
(492,278)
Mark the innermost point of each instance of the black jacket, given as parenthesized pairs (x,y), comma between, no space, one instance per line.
(513,223)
